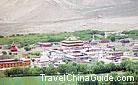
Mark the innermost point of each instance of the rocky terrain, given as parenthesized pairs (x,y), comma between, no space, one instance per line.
(48,16)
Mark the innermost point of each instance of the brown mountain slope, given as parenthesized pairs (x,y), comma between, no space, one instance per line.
(44,16)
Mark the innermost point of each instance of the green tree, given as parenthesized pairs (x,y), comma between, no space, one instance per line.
(112,38)
(62,69)
(49,70)
(27,48)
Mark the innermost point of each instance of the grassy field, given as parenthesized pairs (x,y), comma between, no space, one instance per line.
(34,38)
(37,80)
(28,39)
(32,81)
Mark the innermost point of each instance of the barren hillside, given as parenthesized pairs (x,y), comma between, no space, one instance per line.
(46,16)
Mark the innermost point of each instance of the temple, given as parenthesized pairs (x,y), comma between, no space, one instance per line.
(72,42)
(10,63)
(13,49)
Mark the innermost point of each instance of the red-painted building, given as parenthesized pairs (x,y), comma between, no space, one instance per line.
(13,48)
(44,44)
(9,63)
(104,41)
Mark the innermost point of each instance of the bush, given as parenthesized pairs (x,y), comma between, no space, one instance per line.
(112,38)
(49,70)
(14,72)
(4,52)
(27,48)
(73,68)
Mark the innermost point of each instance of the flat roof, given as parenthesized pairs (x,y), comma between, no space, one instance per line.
(13,60)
